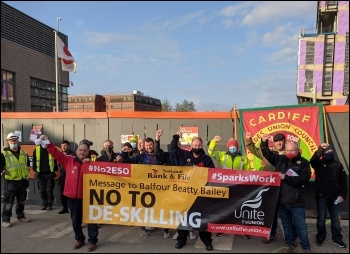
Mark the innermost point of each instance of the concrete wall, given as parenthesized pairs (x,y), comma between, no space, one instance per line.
(98,127)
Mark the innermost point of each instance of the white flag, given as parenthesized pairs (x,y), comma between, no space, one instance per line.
(67,60)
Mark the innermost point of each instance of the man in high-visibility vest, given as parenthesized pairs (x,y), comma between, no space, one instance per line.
(45,167)
(15,169)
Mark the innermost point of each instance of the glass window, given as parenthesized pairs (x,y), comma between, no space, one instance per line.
(10,92)
(327,85)
(7,91)
(309,80)
(3,91)
(310,52)
(3,73)
(10,76)
(329,53)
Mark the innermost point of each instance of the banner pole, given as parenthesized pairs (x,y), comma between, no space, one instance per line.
(325,123)
(235,123)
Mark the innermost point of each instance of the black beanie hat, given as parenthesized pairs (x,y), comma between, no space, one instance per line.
(279,137)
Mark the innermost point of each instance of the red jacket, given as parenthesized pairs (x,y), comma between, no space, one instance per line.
(74,174)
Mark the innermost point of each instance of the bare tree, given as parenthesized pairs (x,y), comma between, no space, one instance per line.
(166,106)
(185,106)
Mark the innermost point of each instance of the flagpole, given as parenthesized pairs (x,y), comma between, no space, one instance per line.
(56,70)
(56,61)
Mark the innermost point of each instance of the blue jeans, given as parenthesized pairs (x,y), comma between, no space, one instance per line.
(334,210)
(294,215)
(274,227)
(75,206)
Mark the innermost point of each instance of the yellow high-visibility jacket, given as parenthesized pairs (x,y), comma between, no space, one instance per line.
(226,160)
(17,168)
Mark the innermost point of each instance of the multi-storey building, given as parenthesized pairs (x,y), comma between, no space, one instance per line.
(135,101)
(86,103)
(28,73)
(323,57)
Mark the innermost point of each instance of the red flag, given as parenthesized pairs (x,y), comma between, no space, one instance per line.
(67,60)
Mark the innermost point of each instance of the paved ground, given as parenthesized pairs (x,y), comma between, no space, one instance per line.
(50,232)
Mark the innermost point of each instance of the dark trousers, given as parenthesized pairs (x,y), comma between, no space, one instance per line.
(14,190)
(75,206)
(324,204)
(46,184)
(203,235)
(64,199)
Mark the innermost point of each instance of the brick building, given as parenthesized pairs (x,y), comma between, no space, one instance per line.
(135,101)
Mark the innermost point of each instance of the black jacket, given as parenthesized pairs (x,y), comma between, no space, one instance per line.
(292,189)
(185,158)
(331,179)
(104,156)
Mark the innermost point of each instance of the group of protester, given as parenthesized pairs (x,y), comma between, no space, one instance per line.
(295,173)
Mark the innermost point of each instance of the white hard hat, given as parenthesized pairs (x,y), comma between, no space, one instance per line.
(12,135)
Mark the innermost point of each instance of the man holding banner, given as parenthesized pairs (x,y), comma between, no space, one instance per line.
(152,157)
(279,141)
(230,159)
(74,190)
(295,173)
(196,157)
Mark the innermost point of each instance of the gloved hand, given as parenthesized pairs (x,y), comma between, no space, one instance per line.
(5,172)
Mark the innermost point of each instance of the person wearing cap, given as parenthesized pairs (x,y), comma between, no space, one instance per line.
(331,185)
(295,174)
(232,158)
(15,170)
(133,141)
(45,166)
(93,155)
(74,190)
(279,140)
(65,148)
(138,145)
